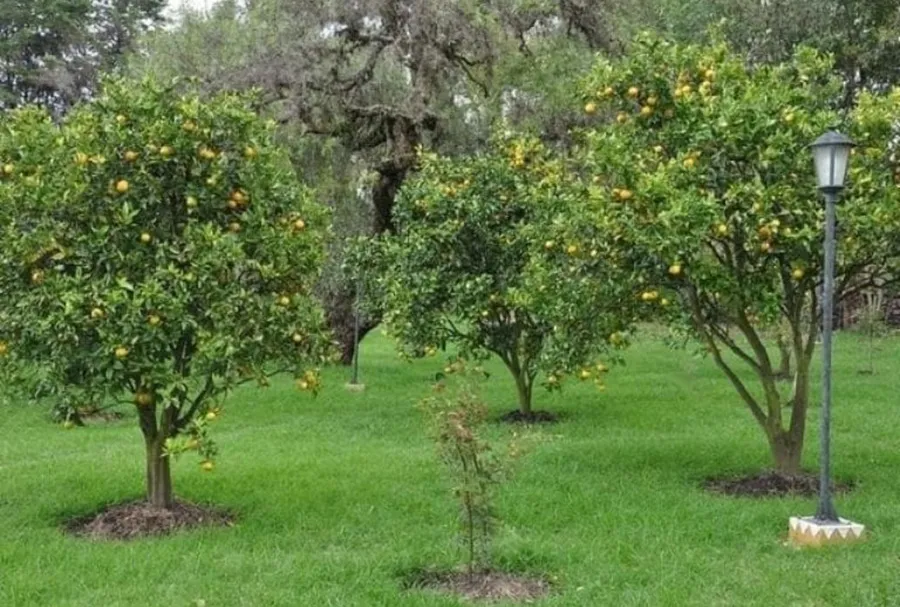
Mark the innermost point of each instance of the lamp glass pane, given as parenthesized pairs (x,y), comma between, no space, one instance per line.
(841,159)
(822,159)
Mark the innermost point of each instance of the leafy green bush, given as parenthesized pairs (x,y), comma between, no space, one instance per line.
(457,416)
(490,255)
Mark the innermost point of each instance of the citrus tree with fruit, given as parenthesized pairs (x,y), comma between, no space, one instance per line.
(714,155)
(491,256)
(156,249)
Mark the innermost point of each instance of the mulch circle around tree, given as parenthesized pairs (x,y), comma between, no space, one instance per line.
(481,585)
(535,417)
(101,416)
(770,484)
(85,416)
(133,520)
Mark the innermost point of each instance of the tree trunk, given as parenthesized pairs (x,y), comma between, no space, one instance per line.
(787,451)
(341,319)
(787,445)
(339,301)
(523,389)
(782,442)
(390,177)
(784,367)
(159,477)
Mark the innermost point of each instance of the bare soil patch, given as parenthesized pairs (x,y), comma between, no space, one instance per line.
(535,417)
(133,520)
(485,586)
(770,484)
(89,415)
(93,415)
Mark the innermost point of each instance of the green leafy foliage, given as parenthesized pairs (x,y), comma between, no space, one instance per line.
(492,254)
(713,154)
(861,35)
(156,249)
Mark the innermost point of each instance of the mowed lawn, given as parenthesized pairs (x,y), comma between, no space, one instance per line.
(338,496)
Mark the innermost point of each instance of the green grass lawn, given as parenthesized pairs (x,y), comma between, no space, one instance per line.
(337,496)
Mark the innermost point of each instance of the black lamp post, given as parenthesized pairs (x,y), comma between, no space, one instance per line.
(354,383)
(355,379)
(831,153)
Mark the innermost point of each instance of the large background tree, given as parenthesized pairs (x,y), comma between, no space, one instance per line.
(361,85)
(713,153)
(158,250)
(52,52)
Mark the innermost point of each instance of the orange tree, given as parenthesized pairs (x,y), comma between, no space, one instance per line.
(157,249)
(713,155)
(489,255)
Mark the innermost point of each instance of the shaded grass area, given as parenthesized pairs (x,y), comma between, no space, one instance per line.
(337,497)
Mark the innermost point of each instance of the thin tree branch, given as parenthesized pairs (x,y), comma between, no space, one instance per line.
(722,336)
(697,314)
(759,348)
(198,401)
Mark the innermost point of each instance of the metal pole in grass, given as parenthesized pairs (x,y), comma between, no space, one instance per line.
(831,155)
(826,511)
(354,384)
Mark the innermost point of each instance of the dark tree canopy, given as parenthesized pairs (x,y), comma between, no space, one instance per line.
(861,34)
(53,51)
(381,76)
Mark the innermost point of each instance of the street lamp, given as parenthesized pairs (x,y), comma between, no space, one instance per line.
(354,385)
(831,155)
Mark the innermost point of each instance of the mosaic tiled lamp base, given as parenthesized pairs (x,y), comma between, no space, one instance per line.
(807,531)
